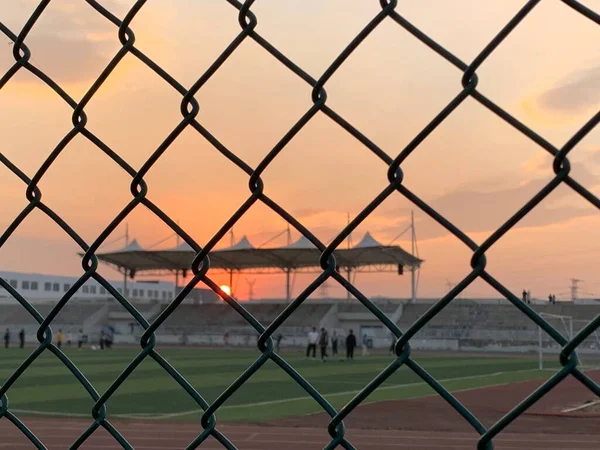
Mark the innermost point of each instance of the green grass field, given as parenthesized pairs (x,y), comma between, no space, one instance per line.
(47,387)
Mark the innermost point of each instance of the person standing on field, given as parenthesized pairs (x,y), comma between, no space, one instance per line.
(278,340)
(365,340)
(59,338)
(350,345)
(80,338)
(334,343)
(323,342)
(313,337)
(7,338)
(22,338)
(226,340)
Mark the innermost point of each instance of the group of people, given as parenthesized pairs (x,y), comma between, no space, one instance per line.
(321,339)
(60,337)
(21,338)
(526,297)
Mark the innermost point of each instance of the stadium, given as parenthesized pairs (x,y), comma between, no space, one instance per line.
(478,348)
(326,132)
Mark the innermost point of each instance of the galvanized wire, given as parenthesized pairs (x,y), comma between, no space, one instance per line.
(190,109)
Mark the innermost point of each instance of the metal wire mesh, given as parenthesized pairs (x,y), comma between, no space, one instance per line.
(189,111)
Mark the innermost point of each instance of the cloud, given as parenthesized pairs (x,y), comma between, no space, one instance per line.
(480,209)
(69,60)
(540,165)
(72,42)
(575,93)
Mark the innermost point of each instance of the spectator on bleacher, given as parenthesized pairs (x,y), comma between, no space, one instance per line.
(59,338)
(334,343)
(323,343)
(7,338)
(313,337)
(365,340)
(350,345)
(524,296)
(550,299)
(22,338)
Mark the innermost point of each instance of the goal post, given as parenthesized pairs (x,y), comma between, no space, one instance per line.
(588,351)
(548,346)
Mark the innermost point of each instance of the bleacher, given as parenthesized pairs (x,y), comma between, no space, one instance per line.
(492,323)
(220,317)
(462,324)
(73,314)
(357,308)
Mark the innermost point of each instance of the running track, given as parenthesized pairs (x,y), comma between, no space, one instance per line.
(59,434)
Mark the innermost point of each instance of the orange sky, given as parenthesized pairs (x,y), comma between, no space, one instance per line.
(474,168)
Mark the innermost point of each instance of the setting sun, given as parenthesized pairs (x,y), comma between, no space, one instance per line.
(226,289)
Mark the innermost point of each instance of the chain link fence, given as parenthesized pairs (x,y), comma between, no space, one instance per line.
(190,119)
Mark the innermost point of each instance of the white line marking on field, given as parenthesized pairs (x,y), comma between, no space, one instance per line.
(252,436)
(162,416)
(580,407)
(50,413)
(339,394)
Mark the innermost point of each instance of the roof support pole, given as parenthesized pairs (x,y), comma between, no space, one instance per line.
(124,282)
(349,278)
(176,283)
(413,267)
(413,284)
(288,287)
(231,281)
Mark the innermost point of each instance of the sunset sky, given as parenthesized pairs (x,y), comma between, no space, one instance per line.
(475,169)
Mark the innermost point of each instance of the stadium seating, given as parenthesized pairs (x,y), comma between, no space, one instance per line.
(220,317)
(355,307)
(491,323)
(73,313)
(467,323)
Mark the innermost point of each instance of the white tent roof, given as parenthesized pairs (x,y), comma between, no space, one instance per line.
(132,247)
(183,247)
(368,241)
(242,244)
(303,242)
(244,256)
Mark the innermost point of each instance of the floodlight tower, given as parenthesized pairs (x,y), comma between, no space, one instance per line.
(575,288)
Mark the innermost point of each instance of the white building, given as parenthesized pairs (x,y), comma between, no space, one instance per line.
(40,288)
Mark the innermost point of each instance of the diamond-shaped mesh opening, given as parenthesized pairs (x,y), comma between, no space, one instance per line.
(71,34)
(103,393)
(19,121)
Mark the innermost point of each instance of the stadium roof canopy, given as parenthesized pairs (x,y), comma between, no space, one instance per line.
(243,256)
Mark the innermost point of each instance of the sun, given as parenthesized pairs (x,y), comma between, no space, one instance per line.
(225,289)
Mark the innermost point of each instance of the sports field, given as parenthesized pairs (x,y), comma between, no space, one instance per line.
(48,388)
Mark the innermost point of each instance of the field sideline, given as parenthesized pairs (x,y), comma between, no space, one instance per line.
(48,388)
